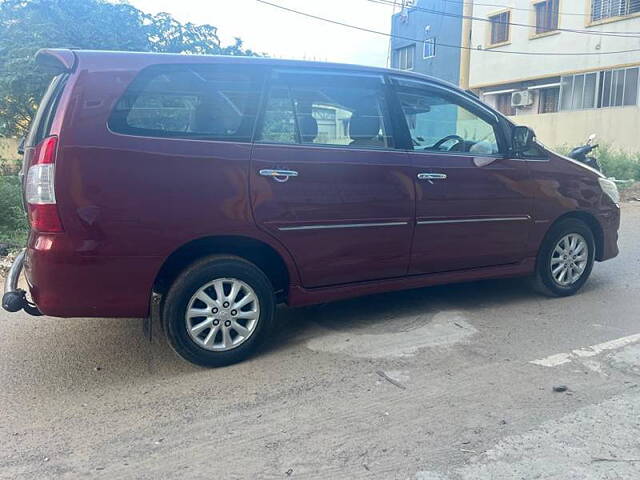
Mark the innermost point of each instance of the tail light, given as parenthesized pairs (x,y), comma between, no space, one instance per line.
(40,194)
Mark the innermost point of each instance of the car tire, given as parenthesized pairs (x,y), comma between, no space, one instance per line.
(199,318)
(563,249)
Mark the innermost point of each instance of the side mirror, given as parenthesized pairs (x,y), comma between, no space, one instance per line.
(522,138)
(21,146)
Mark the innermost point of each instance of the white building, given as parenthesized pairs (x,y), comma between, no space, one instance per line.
(564,98)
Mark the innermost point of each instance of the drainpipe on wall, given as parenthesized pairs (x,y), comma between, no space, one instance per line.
(465,53)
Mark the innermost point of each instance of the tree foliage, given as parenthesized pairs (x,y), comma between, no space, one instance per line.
(13,222)
(28,25)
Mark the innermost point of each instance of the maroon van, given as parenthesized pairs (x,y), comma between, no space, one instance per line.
(207,189)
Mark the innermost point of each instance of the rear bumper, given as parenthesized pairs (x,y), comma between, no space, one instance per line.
(66,281)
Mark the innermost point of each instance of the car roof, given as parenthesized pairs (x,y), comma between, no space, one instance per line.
(69,59)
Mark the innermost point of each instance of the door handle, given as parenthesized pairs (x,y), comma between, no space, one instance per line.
(432,176)
(279,175)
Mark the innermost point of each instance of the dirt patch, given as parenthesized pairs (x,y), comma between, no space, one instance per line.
(631,193)
(444,329)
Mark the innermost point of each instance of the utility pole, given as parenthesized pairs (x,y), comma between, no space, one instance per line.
(465,52)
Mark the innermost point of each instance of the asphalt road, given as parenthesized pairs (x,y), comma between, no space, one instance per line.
(92,398)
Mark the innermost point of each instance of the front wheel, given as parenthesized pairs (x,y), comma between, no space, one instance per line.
(218,311)
(565,258)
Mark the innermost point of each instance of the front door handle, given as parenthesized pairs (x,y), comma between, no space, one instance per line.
(279,175)
(432,176)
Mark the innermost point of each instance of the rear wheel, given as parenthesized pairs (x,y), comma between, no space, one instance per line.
(565,259)
(218,311)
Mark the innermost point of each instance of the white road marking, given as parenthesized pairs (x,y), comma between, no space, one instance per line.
(593,350)
(553,360)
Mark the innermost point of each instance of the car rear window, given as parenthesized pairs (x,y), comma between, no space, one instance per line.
(41,125)
(214,102)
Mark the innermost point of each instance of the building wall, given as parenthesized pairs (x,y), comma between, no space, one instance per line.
(490,68)
(446,29)
(617,127)
(492,72)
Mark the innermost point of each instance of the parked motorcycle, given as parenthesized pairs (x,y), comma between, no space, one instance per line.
(582,152)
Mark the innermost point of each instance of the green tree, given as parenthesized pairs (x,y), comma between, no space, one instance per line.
(28,25)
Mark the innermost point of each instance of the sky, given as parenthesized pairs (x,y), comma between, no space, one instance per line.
(282,34)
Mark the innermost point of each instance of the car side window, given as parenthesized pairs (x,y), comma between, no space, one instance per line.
(324,109)
(439,123)
(215,102)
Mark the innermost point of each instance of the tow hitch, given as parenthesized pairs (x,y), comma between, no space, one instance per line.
(14,299)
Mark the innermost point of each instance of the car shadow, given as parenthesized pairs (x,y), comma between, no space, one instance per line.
(91,354)
(399,311)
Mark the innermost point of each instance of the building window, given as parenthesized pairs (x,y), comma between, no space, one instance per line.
(503,104)
(403,57)
(546,16)
(603,9)
(608,88)
(429,48)
(618,87)
(578,92)
(499,28)
(548,100)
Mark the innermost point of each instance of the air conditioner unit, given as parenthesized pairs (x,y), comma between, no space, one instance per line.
(522,98)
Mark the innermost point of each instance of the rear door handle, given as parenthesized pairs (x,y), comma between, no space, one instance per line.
(279,175)
(432,176)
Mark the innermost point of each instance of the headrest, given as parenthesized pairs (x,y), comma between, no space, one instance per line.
(214,116)
(364,126)
(308,128)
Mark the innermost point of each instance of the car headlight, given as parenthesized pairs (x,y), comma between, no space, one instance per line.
(610,189)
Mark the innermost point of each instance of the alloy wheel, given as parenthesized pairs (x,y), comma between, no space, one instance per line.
(222,314)
(569,259)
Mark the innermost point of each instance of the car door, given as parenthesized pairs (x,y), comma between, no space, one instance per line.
(326,180)
(473,205)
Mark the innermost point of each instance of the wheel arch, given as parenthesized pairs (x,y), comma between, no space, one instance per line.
(279,269)
(593,224)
